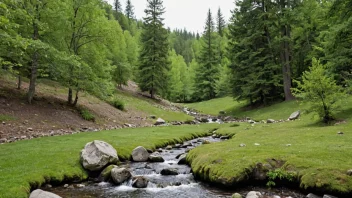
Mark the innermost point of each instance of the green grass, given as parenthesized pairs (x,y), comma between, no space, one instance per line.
(57,158)
(213,107)
(151,108)
(317,153)
(6,118)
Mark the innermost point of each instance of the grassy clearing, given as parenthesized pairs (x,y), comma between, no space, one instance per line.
(56,158)
(213,107)
(317,153)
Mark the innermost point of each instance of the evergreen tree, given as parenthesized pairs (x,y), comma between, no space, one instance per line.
(154,63)
(129,11)
(207,73)
(220,23)
(117,6)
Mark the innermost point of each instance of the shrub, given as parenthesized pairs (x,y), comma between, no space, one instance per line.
(279,174)
(118,104)
(87,115)
(320,90)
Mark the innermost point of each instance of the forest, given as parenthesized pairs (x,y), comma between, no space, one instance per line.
(259,55)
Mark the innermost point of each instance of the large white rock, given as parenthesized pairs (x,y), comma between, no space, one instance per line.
(120,175)
(97,154)
(140,154)
(43,194)
(254,194)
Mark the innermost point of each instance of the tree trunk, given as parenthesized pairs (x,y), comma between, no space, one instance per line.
(19,83)
(286,65)
(76,99)
(69,99)
(34,67)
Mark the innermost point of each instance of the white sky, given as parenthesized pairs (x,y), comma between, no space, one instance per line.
(189,14)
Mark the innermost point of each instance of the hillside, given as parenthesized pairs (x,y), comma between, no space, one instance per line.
(50,115)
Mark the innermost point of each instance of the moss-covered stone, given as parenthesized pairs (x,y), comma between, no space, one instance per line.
(105,175)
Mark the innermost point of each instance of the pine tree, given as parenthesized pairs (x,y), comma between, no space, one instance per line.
(207,73)
(154,63)
(129,10)
(117,6)
(220,23)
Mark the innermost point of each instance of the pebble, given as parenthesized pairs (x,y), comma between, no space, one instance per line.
(256,144)
(66,185)
(242,145)
(288,145)
(349,172)
(30,129)
(80,186)
(340,133)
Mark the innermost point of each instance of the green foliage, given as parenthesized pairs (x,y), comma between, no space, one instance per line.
(86,114)
(6,118)
(154,63)
(118,104)
(279,174)
(320,91)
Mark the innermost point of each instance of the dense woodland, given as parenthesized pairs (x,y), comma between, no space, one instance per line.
(258,55)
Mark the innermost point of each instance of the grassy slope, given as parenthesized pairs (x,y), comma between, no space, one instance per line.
(56,158)
(148,106)
(320,156)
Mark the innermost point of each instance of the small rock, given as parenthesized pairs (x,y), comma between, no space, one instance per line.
(152,117)
(169,172)
(236,195)
(66,186)
(177,184)
(155,158)
(206,142)
(295,115)
(140,182)
(3,140)
(160,150)
(30,129)
(329,196)
(251,122)
(168,147)
(349,172)
(48,186)
(311,195)
(3,123)
(340,133)
(80,186)
(177,146)
(242,145)
(120,175)
(214,136)
(224,137)
(270,121)
(140,154)
(43,194)
(288,145)
(159,121)
(256,144)
(254,194)
(23,137)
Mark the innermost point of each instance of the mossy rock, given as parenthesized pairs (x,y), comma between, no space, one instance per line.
(105,175)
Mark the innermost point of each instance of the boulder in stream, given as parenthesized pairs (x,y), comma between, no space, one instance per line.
(97,154)
(182,159)
(254,194)
(140,154)
(156,158)
(311,195)
(105,175)
(236,195)
(140,182)
(120,175)
(43,194)
(169,171)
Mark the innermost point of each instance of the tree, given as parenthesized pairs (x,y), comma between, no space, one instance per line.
(207,73)
(129,11)
(220,23)
(320,91)
(154,63)
(117,6)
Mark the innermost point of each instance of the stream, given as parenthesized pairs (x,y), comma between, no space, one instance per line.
(181,186)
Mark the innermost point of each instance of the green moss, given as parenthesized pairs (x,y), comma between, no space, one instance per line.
(6,118)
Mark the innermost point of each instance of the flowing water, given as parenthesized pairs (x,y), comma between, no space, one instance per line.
(181,186)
